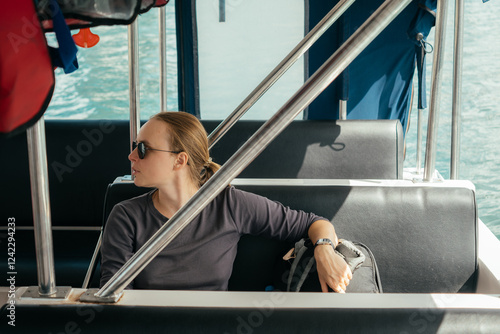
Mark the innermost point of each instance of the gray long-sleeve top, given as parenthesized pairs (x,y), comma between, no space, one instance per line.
(201,257)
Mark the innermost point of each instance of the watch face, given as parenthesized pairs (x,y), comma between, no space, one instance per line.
(324,242)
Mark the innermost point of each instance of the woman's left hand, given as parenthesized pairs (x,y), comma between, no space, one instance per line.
(333,271)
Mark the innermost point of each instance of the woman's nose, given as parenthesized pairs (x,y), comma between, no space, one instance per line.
(133,156)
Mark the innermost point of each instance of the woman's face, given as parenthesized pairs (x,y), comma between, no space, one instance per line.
(156,168)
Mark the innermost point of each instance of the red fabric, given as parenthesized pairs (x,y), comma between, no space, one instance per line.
(26,72)
(72,23)
(160,3)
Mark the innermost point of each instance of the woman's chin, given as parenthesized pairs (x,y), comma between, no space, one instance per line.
(137,181)
(140,183)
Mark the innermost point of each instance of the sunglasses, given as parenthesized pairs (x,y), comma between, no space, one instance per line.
(142,148)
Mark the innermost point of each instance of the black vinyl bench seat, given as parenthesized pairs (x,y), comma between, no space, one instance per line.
(424,237)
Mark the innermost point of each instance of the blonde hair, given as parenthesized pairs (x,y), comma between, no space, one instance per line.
(187,134)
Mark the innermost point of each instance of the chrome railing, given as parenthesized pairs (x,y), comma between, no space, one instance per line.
(133,82)
(457,89)
(437,68)
(37,155)
(162,18)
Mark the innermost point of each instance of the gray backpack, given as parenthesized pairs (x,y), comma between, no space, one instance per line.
(359,258)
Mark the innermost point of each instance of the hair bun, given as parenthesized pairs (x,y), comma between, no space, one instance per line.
(207,164)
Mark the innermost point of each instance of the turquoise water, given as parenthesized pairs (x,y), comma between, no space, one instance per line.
(99,89)
(480,129)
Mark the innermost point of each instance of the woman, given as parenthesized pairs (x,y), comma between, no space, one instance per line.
(171,155)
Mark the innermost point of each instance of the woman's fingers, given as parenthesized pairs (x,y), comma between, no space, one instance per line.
(337,286)
(324,286)
(347,281)
(333,271)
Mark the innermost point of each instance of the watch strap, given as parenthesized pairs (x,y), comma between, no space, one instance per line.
(324,241)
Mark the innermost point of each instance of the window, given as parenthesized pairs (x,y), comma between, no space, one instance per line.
(239,43)
(99,89)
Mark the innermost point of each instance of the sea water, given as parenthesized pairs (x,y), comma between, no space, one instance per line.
(480,114)
(99,89)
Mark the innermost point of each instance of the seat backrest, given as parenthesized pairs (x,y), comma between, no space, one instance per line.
(83,157)
(89,154)
(348,149)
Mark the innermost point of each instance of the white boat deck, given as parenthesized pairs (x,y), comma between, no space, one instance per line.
(282,300)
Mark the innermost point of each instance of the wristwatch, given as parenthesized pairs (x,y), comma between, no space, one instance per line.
(324,242)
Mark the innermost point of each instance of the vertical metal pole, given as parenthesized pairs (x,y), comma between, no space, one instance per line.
(342,109)
(133,84)
(430,152)
(457,90)
(93,260)
(39,179)
(163,58)
(419,140)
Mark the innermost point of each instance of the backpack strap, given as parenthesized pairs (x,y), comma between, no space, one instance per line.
(298,252)
(310,264)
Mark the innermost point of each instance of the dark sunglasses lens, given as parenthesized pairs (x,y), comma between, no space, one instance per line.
(141,149)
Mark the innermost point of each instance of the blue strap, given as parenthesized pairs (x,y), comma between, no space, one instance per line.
(65,55)
(422,96)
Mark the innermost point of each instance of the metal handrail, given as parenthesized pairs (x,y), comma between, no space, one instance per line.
(420,121)
(279,70)
(457,89)
(162,17)
(253,147)
(93,261)
(430,151)
(40,199)
(133,75)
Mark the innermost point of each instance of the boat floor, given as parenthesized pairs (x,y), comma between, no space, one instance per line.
(245,299)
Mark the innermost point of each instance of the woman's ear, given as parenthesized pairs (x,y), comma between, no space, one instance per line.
(182,160)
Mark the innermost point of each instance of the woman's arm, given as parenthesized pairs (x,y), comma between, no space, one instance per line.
(257,215)
(333,271)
